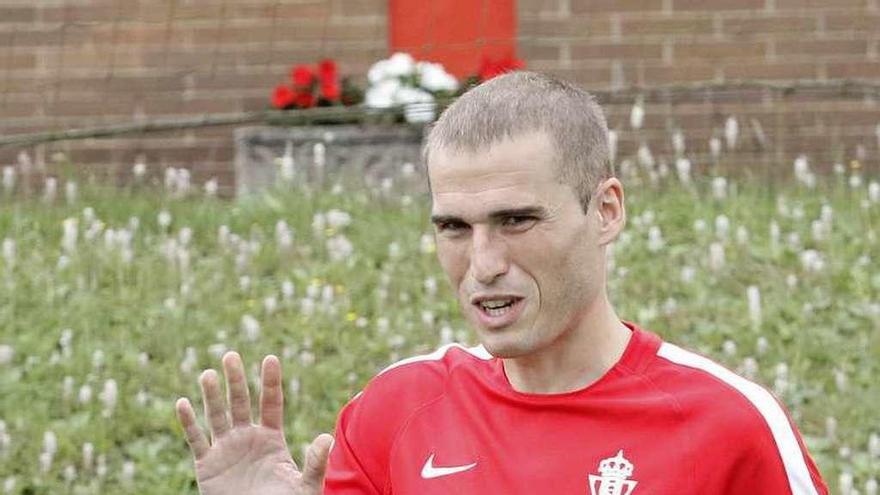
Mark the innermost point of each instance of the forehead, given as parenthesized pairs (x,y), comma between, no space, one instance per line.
(514,172)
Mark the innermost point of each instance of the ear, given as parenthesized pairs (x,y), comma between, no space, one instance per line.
(611,210)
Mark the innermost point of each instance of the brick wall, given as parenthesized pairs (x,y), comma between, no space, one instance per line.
(77,63)
(613,44)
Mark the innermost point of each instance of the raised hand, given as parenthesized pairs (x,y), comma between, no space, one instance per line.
(243,457)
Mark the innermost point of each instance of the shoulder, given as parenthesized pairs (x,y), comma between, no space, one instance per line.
(404,387)
(722,407)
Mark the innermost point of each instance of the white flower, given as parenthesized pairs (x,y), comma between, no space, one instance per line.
(189,360)
(9,485)
(339,247)
(644,156)
(719,187)
(88,455)
(687,274)
(140,167)
(731,132)
(716,256)
(8,251)
(382,94)
(8,178)
(683,170)
(426,244)
(637,114)
(874,192)
(762,345)
(336,219)
(722,227)
(742,235)
(287,290)
(50,443)
(715,147)
(855,181)
(50,190)
(108,397)
(251,327)
(753,294)
(319,153)
(729,348)
(211,187)
(270,304)
(288,168)
(164,219)
(7,353)
(812,260)
(678,142)
(655,239)
(71,232)
(127,472)
(434,77)
(399,64)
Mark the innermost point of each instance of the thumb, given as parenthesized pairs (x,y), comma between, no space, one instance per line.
(316,460)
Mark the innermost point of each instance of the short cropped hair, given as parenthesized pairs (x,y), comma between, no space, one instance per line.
(521,102)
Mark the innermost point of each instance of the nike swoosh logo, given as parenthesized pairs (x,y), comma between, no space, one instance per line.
(429,471)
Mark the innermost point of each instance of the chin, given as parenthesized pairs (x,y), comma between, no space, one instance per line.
(504,345)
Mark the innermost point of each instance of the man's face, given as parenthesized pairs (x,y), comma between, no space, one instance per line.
(524,258)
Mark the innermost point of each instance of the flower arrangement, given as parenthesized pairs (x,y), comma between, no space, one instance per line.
(318,86)
(398,81)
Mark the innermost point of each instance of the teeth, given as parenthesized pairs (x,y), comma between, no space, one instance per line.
(496,304)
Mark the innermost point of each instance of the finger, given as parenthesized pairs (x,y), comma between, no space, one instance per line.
(237,389)
(195,438)
(215,407)
(315,464)
(271,395)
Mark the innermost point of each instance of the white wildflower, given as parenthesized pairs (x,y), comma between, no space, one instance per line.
(742,235)
(164,219)
(871,487)
(687,274)
(722,227)
(127,474)
(288,290)
(190,359)
(719,188)
(139,169)
(70,228)
(715,148)
(716,256)
(109,396)
(8,178)
(319,154)
(840,379)
(8,252)
(67,388)
(339,248)
(88,456)
(85,394)
(337,219)
(749,368)
(855,181)
(729,348)
(731,132)
(45,462)
(678,142)
(753,295)
(812,260)
(283,235)
(637,114)
(683,170)
(655,239)
(101,466)
(430,285)
(50,442)
(211,187)
(250,327)
(288,165)
(270,304)
(874,192)
(50,189)
(9,485)
(69,474)
(644,156)
(426,244)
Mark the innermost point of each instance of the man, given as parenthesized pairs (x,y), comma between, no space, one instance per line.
(562,397)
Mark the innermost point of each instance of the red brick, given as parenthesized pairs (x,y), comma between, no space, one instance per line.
(536,51)
(717,5)
(822,47)
(571,27)
(18,60)
(768,24)
(759,70)
(852,21)
(718,50)
(664,25)
(821,4)
(615,51)
(596,6)
(862,69)
(679,72)
(17,14)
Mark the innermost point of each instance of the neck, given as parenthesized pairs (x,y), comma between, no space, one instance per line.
(575,360)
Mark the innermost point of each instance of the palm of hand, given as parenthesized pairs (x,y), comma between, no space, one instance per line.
(244,458)
(248,459)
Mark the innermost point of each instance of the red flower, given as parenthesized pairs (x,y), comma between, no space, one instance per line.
(330,89)
(304,99)
(489,68)
(302,77)
(283,97)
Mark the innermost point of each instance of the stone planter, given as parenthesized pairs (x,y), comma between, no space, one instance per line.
(267,156)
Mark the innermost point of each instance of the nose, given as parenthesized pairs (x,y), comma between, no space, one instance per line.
(488,256)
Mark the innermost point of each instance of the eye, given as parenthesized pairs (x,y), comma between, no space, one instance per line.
(451,227)
(518,222)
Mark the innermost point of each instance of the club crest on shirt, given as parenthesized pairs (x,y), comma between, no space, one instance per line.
(612,477)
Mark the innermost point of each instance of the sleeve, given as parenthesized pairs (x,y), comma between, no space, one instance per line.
(368,427)
(350,472)
(774,460)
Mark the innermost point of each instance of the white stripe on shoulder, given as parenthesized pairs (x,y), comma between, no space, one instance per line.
(477,351)
(789,449)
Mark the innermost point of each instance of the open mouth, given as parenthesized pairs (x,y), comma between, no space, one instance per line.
(499,312)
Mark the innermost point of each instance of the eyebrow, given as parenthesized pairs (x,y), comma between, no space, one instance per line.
(526,211)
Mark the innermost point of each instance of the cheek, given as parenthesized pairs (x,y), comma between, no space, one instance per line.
(453,259)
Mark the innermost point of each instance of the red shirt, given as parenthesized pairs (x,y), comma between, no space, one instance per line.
(662,420)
